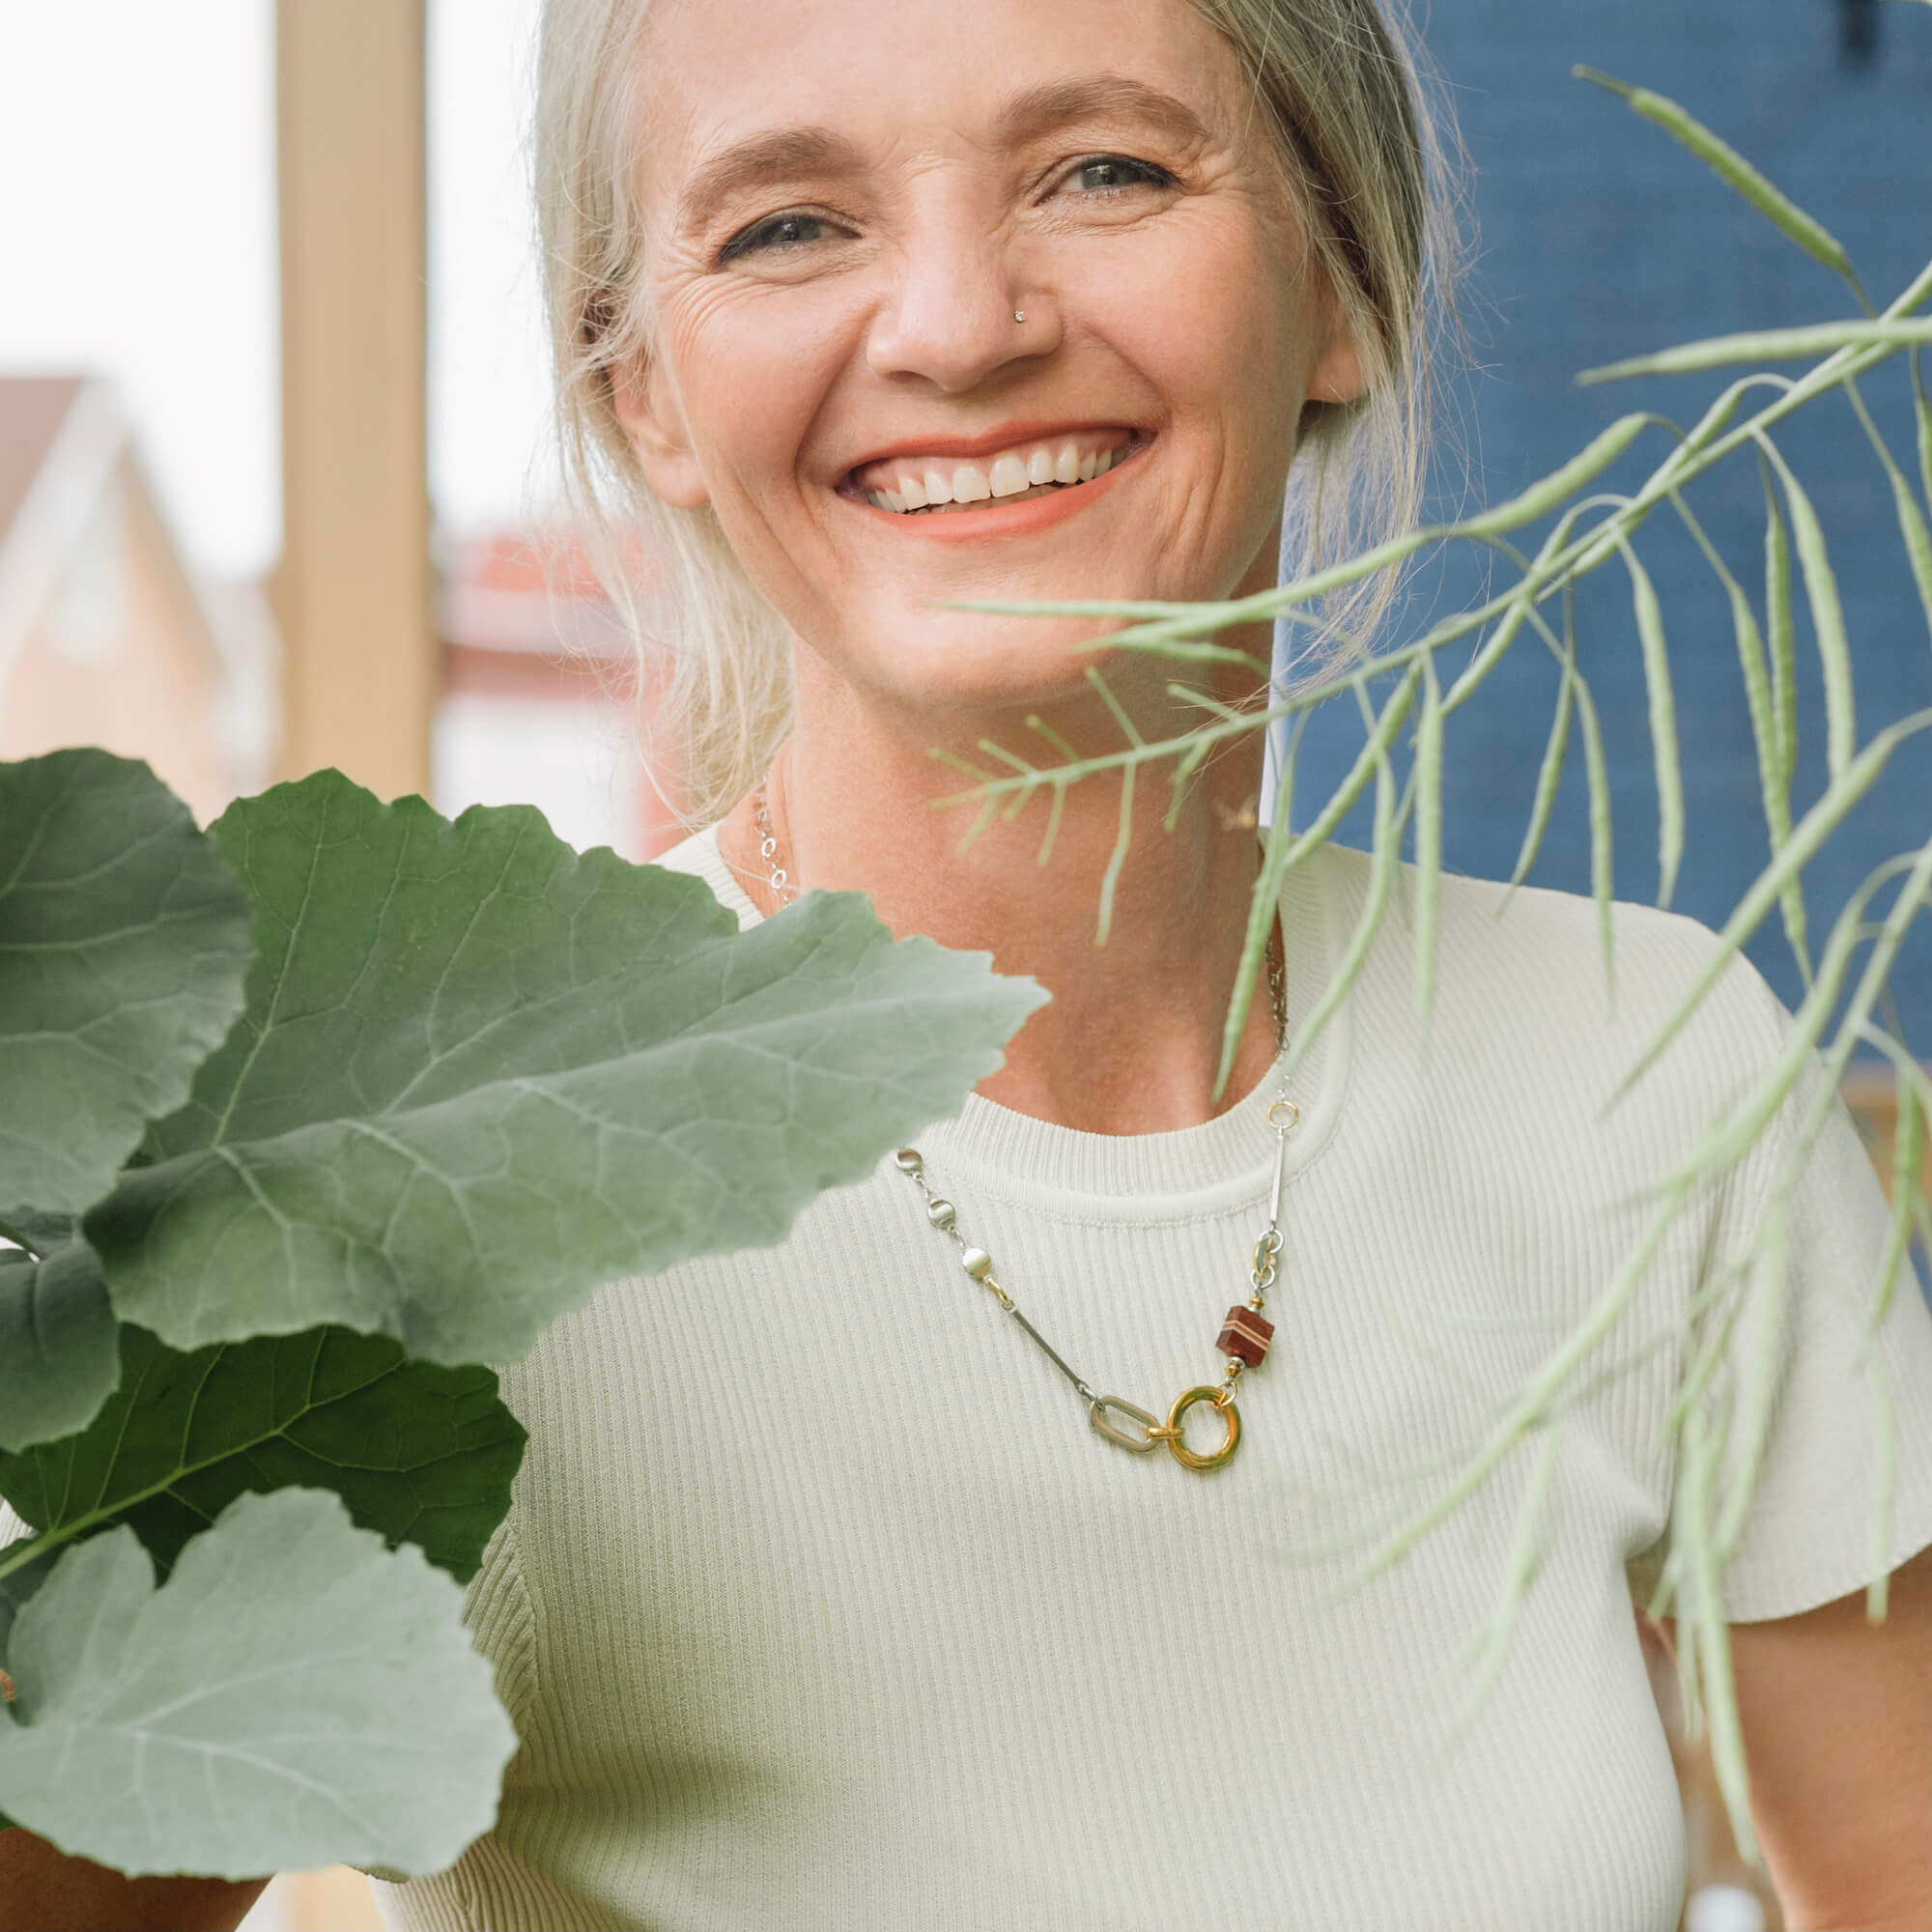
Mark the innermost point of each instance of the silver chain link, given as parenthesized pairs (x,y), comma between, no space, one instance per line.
(768,847)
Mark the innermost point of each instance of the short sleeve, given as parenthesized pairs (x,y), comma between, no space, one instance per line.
(1807,1533)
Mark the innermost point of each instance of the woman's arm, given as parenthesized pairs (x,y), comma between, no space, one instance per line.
(1837,1724)
(45,1890)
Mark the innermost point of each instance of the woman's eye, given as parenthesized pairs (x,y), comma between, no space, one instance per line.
(1110,172)
(775,231)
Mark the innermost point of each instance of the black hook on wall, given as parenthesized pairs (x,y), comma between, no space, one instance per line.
(1858,31)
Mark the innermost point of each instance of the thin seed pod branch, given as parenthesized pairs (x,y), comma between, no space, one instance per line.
(1717,1425)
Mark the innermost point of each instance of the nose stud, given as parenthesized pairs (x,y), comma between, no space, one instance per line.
(1019,315)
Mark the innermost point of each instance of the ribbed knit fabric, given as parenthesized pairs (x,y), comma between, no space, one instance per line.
(821,1606)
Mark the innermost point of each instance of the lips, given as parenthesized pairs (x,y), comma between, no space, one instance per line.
(912,481)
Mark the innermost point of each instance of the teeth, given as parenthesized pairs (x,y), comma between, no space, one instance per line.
(1008,476)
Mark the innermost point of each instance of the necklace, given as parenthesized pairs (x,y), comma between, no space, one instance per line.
(1245,1335)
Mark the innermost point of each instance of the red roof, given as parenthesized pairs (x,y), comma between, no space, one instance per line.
(531,591)
(32,409)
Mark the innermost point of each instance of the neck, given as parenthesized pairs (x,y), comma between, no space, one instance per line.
(1131,1041)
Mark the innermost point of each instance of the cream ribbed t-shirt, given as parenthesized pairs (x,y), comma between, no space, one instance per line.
(821,1606)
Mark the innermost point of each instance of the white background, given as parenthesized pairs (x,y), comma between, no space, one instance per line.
(137,237)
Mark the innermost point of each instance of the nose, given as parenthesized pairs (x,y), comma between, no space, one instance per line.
(957,311)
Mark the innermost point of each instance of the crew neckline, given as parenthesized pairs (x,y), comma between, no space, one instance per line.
(1181,1173)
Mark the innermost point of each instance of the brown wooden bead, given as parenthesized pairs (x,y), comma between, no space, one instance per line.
(1246,1335)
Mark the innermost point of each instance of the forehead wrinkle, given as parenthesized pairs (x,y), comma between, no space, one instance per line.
(759,159)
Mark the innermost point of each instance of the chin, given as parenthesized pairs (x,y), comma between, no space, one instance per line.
(966,663)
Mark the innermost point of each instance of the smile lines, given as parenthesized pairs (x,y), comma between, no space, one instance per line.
(903,483)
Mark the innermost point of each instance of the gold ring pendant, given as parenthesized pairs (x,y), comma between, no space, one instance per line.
(1223,1399)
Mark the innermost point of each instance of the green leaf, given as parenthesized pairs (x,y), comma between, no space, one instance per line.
(1787,864)
(58,1360)
(295,1695)
(1550,774)
(1922,409)
(1663,725)
(38,1233)
(1764,345)
(1602,875)
(1782,633)
(1368,762)
(1730,167)
(1428,840)
(1263,908)
(1386,859)
(1774,782)
(480,1075)
(123,939)
(1554,490)
(1912,529)
(19,1584)
(1828,615)
(1123,834)
(420,1453)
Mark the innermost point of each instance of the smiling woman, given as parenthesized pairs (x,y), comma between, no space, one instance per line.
(820,1603)
(1299,145)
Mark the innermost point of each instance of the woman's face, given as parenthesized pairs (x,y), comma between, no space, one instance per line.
(846,203)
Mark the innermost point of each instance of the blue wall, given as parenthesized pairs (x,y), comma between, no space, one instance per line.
(1598,239)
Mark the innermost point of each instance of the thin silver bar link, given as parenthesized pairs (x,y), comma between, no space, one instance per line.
(1280,1175)
(1053,1354)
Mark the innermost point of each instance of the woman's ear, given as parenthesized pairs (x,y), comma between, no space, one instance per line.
(652,416)
(1337,377)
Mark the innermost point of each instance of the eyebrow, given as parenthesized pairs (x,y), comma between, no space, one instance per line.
(786,152)
(772,156)
(1087,96)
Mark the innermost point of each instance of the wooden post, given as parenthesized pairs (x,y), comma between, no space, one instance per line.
(1871,1093)
(352,591)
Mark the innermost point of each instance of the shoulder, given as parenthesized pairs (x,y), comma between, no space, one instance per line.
(1524,994)
(697,857)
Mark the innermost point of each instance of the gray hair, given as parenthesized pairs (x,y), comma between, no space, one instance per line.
(1341,86)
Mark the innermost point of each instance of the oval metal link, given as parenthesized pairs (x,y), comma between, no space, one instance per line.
(1140,1444)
